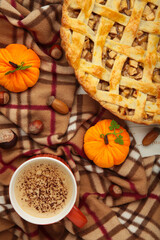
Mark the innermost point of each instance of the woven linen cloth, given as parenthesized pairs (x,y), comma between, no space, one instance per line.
(136,215)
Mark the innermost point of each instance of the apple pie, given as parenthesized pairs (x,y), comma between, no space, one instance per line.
(114,48)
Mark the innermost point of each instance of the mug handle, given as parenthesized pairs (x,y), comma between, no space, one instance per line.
(77,217)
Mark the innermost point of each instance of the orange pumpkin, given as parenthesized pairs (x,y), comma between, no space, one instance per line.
(19,67)
(106,143)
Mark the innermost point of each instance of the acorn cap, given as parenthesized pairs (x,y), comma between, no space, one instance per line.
(50,100)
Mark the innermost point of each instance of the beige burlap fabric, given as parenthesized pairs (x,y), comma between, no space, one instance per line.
(136,215)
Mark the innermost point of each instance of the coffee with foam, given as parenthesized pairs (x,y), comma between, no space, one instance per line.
(43,189)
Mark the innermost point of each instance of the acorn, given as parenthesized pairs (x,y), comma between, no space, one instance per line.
(4,97)
(8,138)
(35,127)
(56,51)
(151,136)
(115,191)
(58,105)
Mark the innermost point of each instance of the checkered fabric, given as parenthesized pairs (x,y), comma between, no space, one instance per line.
(136,215)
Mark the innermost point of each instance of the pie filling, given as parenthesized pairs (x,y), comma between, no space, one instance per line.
(87,49)
(156,75)
(141,39)
(93,21)
(126,7)
(131,67)
(116,32)
(73,13)
(127,92)
(149,12)
(108,57)
(103,85)
(126,111)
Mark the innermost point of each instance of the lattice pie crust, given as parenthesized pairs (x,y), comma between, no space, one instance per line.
(114,48)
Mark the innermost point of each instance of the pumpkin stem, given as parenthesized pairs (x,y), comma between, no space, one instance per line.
(106,139)
(13,64)
(18,67)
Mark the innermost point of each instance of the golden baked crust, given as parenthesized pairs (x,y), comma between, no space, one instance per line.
(114,48)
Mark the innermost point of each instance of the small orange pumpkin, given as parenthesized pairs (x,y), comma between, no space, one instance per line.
(19,67)
(106,143)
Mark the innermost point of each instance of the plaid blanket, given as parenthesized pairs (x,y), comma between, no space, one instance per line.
(136,215)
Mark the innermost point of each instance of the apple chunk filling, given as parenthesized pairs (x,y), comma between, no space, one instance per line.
(73,13)
(94,21)
(156,75)
(108,57)
(141,39)
(126,7)
(149,12)
(87,49)
(116,32)
(103,85)
(126,111)
(133,69)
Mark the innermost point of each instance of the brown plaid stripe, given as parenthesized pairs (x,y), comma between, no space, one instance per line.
(136,214)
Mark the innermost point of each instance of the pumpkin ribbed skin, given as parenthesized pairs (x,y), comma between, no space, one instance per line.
(20,80)
(105,155)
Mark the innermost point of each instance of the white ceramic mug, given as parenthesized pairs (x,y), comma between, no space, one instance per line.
(70,210)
